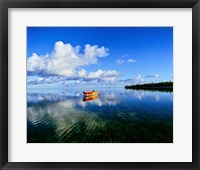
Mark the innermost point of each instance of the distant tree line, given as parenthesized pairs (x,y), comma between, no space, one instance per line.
(160,85)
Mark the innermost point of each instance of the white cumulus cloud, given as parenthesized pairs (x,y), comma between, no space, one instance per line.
(120,61)
(65,64)
(138,79)
(65,59)
(131,60)
(109,75)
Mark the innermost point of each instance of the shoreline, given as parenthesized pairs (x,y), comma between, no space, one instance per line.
(153,86)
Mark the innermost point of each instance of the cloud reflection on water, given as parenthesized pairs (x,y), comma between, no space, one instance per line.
(115,116)
(104,98)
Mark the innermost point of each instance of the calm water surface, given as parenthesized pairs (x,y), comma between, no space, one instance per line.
(117,115)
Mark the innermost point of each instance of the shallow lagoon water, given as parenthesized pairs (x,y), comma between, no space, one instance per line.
(117,116)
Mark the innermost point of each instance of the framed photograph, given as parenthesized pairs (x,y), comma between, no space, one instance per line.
(99,85)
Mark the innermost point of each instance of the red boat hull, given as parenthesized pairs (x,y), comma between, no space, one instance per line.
(90,93)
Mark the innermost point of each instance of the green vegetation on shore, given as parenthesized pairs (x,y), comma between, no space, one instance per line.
(152,86)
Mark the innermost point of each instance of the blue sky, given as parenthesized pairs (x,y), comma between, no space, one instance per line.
(99,55)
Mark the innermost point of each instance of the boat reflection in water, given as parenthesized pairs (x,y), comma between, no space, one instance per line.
(89,98)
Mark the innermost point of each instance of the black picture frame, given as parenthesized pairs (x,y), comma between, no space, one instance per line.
(6,4)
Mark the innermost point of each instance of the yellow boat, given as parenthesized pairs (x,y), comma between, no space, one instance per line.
(90,93)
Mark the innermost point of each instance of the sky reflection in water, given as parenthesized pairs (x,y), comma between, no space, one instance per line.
(117,115)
